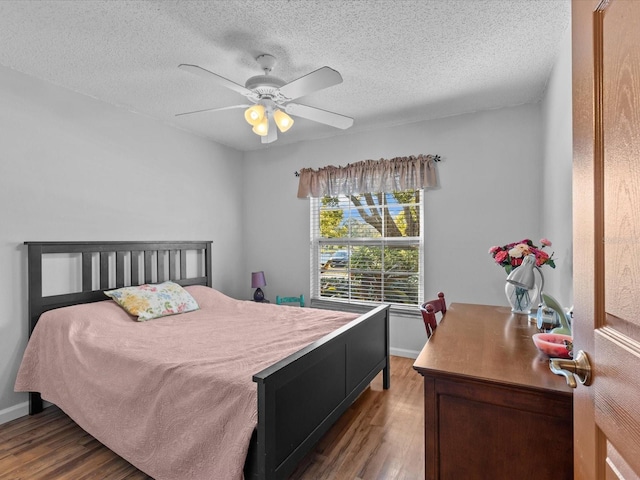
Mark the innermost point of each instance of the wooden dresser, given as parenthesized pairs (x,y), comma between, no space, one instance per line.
(492,408)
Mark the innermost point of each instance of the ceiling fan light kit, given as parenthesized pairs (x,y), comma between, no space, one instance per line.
(272,97)
(258,117)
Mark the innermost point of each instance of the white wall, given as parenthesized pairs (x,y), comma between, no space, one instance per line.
(490,178)
(557,178)
(74,168)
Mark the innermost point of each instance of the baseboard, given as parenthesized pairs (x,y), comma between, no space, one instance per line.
(17,411)
(11,413)
(402,352)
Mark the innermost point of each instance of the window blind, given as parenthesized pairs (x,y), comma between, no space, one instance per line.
(368,248)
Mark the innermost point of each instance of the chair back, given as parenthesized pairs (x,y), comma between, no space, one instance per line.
(282,300)
(429,310)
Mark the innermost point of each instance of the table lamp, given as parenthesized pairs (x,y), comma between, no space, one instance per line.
(257,281)
(523,276)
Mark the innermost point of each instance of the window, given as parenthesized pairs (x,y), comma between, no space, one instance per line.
(368,248)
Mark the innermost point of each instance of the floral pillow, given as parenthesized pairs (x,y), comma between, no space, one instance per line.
(153,301)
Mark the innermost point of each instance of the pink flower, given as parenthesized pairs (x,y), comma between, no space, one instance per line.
(501,256)
(541,257)
(493,250)
(545,242)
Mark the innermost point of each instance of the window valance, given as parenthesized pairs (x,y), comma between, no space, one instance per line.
(367,176)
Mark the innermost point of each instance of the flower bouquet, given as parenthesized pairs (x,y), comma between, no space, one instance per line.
(511,256)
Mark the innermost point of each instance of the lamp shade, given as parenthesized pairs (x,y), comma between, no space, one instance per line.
(522,276)
(254,115)
(258,280)
(262,128)
(283,121)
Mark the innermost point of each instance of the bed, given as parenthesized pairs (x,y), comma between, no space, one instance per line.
(297,397)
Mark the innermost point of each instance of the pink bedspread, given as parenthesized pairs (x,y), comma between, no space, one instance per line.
(174,396)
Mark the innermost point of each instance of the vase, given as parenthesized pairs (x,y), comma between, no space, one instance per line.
(520,299)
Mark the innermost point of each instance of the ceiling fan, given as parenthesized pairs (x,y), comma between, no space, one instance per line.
(271,97)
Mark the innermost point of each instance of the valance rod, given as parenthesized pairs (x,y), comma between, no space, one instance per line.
(436,158)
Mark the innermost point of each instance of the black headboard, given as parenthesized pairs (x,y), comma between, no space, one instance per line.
(135,263)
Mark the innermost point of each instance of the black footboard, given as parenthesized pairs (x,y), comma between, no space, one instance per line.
(300,397)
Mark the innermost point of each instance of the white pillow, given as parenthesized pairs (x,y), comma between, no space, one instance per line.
(150,301)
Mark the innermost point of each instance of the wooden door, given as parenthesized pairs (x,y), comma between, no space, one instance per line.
(606,198)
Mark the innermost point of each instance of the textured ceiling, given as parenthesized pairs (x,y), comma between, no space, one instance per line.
(401,60)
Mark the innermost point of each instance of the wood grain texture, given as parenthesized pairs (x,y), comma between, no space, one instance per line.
(379,437)
(585,248)
(490,394)
(488,343)
(50,446)
(617,409)
(621,105)
(617,341)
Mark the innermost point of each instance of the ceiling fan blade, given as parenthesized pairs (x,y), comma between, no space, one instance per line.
(318,115)
(272,134)
(196,70)
(312,82)
(213,109)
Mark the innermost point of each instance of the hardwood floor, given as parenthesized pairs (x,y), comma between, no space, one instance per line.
(380,437)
